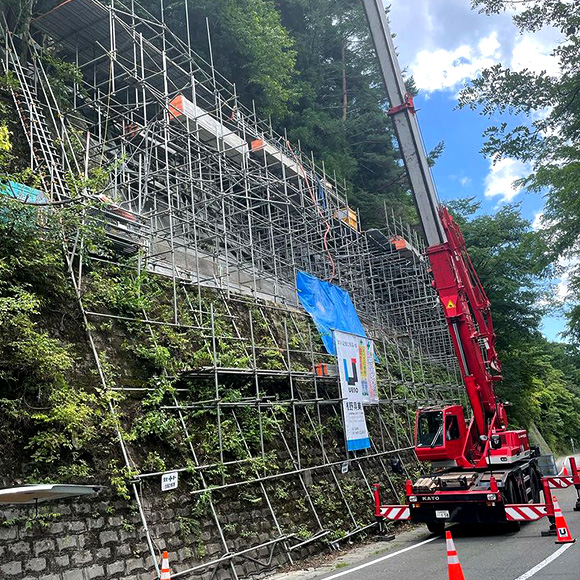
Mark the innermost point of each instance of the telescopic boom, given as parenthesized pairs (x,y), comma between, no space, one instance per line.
(465,304)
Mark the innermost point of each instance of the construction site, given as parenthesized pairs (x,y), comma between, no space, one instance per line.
(204,200)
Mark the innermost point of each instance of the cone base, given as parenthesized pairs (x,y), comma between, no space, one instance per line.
(565,541)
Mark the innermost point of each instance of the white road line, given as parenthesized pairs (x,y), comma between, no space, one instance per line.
(382,558)
(544,563)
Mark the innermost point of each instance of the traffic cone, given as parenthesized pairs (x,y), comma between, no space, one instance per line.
(565,471)
(165,574)
(562,529)
(455,571)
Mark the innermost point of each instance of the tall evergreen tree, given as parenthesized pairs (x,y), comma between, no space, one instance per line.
(341,115)
(550,140)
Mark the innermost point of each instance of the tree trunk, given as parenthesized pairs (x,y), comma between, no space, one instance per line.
(344,84)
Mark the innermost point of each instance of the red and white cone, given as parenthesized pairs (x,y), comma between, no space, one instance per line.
(165,573)
(562,529)
(455,571)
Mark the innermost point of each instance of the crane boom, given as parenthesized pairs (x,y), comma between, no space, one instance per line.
(402,112)
(465,304)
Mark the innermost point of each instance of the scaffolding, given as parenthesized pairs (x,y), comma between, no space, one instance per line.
(211,198)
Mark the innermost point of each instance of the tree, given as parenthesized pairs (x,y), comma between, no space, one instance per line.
(341,115)
(512,264)
(550,139)
(250,47)
(540,377)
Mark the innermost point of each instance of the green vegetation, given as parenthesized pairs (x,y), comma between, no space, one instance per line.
(550,136)
(48,406)
(310,65)
(540,377)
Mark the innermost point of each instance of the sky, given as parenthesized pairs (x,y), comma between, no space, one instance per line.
(444,43)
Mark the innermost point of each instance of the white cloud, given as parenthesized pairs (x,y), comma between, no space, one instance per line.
(562,287)
(465,181)
(450,43)
(501,177)
(449,69)
(533,54)
(489,46)
(538,223)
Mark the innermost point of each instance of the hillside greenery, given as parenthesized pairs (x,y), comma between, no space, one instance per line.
(309,65)
(540,377)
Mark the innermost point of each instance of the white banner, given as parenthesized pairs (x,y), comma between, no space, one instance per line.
(348,356)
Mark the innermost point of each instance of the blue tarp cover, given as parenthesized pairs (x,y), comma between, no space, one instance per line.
(22,192)
(330,307)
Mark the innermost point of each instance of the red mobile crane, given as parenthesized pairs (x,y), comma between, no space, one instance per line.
(483,472)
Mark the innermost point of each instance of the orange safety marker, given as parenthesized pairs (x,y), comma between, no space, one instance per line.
(165,573)
(455,571)
(257,145)
(562,529)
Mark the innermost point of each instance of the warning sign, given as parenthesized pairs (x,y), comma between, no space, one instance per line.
(450,304)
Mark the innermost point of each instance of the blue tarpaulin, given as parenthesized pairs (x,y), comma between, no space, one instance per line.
(23,192)
(330,307)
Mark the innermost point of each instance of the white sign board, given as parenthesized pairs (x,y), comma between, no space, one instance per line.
(169,480)
(348,356)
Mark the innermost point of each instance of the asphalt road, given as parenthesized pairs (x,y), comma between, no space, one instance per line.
(484,553)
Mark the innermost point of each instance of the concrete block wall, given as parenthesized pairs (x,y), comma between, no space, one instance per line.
(102,538)
(70,540)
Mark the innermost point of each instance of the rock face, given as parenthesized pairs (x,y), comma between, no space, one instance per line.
(219,389)
(168,341)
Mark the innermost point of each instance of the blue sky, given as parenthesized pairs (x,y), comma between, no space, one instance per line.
(443,43)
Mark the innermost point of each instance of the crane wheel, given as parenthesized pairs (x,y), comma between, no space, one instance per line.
(512,496)
(436,528)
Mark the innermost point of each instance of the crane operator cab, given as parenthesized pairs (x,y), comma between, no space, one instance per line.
(440,433)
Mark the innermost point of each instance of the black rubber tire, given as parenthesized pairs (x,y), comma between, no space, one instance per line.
(512,496)
(511,492)
(436,527)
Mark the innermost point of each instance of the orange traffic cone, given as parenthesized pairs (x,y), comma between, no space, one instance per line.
(565,471)
(165,574)
(562,529)
(455,571)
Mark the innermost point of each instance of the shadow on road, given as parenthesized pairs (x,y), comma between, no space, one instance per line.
(488,530)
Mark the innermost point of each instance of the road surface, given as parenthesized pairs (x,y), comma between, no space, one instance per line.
(484,553)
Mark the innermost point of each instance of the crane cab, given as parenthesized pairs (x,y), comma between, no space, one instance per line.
(440,433)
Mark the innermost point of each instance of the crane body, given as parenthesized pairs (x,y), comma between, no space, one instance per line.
(480,466)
